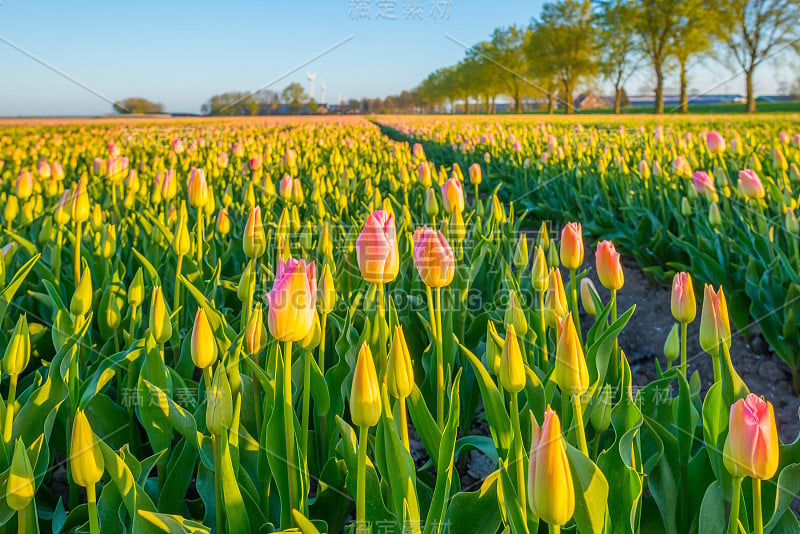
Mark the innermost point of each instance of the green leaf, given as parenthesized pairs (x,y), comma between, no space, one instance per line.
(591,492)
(174,524)
(712,511)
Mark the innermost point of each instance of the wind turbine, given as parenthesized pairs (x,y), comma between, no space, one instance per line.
(311,84)
(322,87)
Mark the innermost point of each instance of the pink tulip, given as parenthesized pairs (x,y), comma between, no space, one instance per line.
(255,163)
(796,140)
(286,187)
(715,142)
(703,183)
(783,137)
(238,150)
(681,167)
(752,445)
(292,300)
(178,145)
(750,184)
(222,160)
(433,257)
(453,196)
(376,249)
(57,170)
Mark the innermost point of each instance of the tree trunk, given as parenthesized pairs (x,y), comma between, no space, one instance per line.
(466,105)
(517,99)
(617,100)
(568,99)
(550,105)
(659,104)
(751,101)
(684,96)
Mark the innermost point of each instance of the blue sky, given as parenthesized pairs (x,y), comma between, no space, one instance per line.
(181,53)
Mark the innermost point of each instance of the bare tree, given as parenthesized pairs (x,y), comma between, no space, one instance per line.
(618,45)
(656,24)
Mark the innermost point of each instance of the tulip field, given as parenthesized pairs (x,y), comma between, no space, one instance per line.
(317,324)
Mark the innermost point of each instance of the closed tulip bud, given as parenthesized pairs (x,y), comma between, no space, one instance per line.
(703,183)
(86,463)
(515,315)
(453,196)
(750,184)
(136,290)
(327,294)
(475,175)
(512,369)
(779,160)
(433,257)
(292,300)
(672,344)
(609,268)
(204,343)
(181,241)
(198,188)
(11,209)
(644,169)
(160,324)
(494,348)
(376,249)
(79,209)
(714,323)
(714,216)
(686,207)
(256,334)
(571,246)
(21,482)
(254,241)
(794,170)
(539,274)
(752,446)
(18,350)
(571,373)
(244,286)
(457,230)
(715,142)
(365,397)
(521,252)
(588,292)
(313,337)
(82,297)
(24,185)
(792,226)
(400,371)
(555,303)
(543,239)
(601,411)
(550,490)
(285,187)
(424,174)
(552,256)
(498,211)
(219,407)
(223,225)
(431,204)
(684,306)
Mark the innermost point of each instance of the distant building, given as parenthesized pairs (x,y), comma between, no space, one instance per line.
(777,98)
(675,100)
(592,100)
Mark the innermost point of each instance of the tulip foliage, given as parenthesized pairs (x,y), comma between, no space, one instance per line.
(240,327)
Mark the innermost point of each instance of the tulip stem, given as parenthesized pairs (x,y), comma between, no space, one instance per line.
(518,456)
(577,410)
(439,360)
(542,332)
(91,497)
(553,529)
(306,405)
(322,432)
(404,423)
(288,424)
(380,317)
(361,490)
(758,520)
(176,297)
(199,232)
(218,482)
(733,521)
(615,360)
(21,520)
(574,303)
(684,370)
(9,422)
(76,255)
(56,262)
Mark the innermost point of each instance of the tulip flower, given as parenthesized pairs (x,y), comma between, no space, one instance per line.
(550,491)
(160,324)
(572,257)
(203,343)
(20,487)
(715,328)
(751,450)
(376,249)
(400,378)
(86,463)
(681,167)
(715,142)
(453,196)
(684,308)
(286,187)
(223,223)
(15,360)
(24,185)
(571,373)
(365,411)
(424,174)
(555,305)
(609,268)
(254,241)
(750,184)
(292,300)
(79,212)
(704,184)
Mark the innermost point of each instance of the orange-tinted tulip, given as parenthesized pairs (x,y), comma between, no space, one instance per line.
(714,324)
(572,246)
(376,249)
(609,268)
(433,257)
(684,306)
(751,448)
(550,490)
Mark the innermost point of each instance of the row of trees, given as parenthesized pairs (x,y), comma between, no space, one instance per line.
(578,42)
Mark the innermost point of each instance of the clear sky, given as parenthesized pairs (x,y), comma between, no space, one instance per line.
(180,53)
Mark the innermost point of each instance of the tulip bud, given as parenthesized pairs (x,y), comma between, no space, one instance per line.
(543,239)
(198,189)
(24,185)
(552,256)
(672,348)
(254,241)
(219,407)
(431,204)
(18,350)
(79,210)
(475,175)
(512,369)
(792,226)
(327,297)
(11,209)
(550,489)
(160,324)
(555,302)
(424,174)
(494,348)
(714,216)
(400,371)
(539,275)
(609,268)
(21,482)
(204,344)
(256,333)
(515,315)
(588,292)
(181,241)
(244,287)
(498,211)
(686,207)
(223,225)
(314,335)
(714,325)
(684,307)
(571,246)
(365,398)
(570,373)
(82,298)
(751,448)
(136,290)
(86,463)
(601,411)
(521,252)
